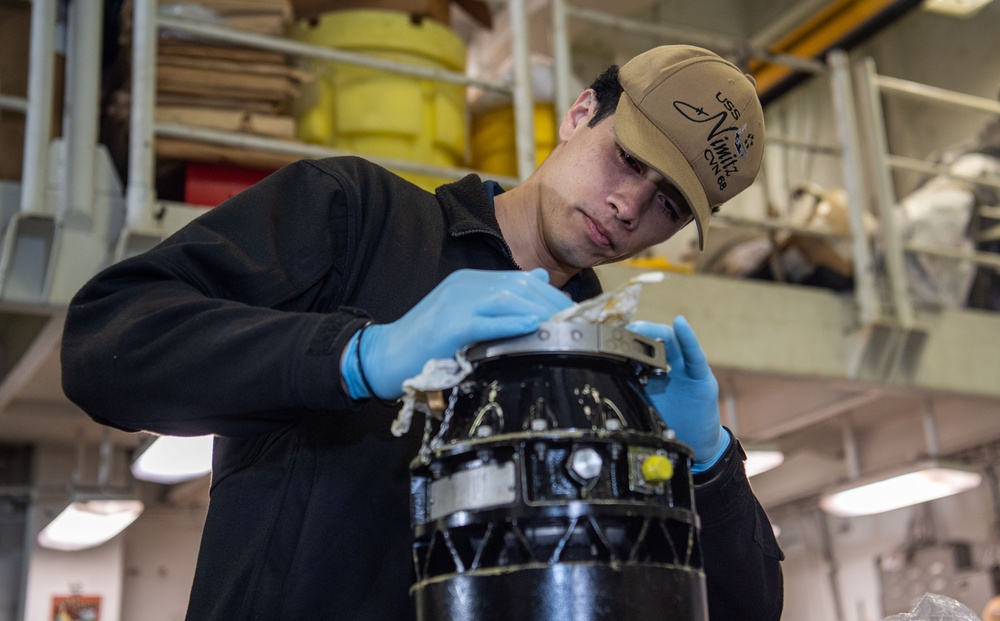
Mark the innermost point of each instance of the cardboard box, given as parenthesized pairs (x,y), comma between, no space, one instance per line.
(419,9)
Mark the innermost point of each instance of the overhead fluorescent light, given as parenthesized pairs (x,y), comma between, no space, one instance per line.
(89,523)
(171,459)
(923,482)
(761,459)
(957,8)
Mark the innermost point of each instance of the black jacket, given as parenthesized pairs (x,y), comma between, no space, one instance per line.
(235,326)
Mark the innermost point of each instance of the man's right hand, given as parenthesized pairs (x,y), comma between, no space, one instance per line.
(467,307)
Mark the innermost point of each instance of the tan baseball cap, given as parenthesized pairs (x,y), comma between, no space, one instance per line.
(695,118)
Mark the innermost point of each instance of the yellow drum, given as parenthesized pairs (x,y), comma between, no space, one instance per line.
(494,148)
(384,113)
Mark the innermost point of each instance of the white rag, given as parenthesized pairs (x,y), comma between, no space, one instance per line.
(615,308)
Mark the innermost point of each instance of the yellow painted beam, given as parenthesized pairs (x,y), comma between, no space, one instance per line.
(816,35)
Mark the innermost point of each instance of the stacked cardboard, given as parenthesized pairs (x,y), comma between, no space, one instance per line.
(217,86)
(213,85)
(223,87)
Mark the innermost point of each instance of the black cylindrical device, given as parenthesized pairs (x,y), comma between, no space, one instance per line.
(551,489)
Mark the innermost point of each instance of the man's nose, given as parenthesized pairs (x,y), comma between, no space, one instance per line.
(630,202)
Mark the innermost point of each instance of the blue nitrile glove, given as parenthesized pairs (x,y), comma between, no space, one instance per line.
(467,307)
(688,399)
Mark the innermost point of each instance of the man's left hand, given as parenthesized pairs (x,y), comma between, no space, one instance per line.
(688,398)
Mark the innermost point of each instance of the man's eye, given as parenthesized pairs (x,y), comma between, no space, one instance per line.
(669,207)
(629,161)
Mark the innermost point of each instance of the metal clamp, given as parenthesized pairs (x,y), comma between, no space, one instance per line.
(566,337)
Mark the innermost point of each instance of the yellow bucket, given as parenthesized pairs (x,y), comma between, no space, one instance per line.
(384,113)
(494,148)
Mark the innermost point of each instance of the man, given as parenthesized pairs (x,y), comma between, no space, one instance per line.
(285,319)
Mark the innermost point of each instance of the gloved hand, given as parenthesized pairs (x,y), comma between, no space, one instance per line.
(467,307)
(688,399)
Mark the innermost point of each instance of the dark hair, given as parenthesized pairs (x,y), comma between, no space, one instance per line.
(608,89)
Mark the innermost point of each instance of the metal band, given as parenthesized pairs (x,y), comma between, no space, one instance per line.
(566,337)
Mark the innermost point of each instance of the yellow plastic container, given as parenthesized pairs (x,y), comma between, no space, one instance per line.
(493,144)
(379,112)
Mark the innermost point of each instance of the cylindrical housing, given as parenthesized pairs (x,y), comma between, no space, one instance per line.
(551,488)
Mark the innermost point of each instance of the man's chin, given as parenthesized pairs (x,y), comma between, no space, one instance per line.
(609,260)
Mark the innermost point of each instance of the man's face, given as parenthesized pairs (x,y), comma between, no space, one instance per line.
(599,204)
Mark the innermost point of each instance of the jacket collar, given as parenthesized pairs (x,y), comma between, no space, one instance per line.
(469,209)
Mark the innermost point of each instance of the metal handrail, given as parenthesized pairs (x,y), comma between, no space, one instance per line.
(307,50)
(306,150)
(562,11)
(140,195)
(912,164)
(16,104)
(881,85)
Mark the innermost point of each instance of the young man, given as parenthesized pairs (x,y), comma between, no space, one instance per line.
(281,320)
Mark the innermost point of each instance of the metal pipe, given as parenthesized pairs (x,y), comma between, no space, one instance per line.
(788,141)
(76,478)
(719,43)
(891,239)
(805,65)
(915,165)
(81,105)
(38,120)
(930,429)
(990,211)
(104,462)
(850,450)
(562,58)
(857,204)
(986,259)
(287,46)
(299,149)
(833,567)
(776,225)
(32,516)
(524,105)
(140,195)
(729,400)
(941,95)
(706,39)
(10,102)
(788,21)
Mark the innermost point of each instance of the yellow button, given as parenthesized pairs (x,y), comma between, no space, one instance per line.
(657,469)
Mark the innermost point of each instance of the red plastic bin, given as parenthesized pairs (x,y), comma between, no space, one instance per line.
(211,184)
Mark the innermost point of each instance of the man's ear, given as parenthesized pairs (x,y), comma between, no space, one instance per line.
(578,114)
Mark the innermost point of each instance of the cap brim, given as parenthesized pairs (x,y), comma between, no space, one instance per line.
(644,141)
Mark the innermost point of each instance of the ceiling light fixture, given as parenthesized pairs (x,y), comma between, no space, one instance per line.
(89,522)
(908,485)
(762,458)
(172,459)
(956,8)
(94,514)
(922,482)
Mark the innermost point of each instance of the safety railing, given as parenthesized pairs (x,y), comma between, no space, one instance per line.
(849,149)
(874,88)
(144,211)
(140,196)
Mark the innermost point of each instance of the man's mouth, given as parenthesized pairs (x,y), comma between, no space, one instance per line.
(596,234)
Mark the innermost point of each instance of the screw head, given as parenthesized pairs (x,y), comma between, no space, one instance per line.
(586,463)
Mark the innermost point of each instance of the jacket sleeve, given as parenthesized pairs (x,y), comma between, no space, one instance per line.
(739,550)
(211,331)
